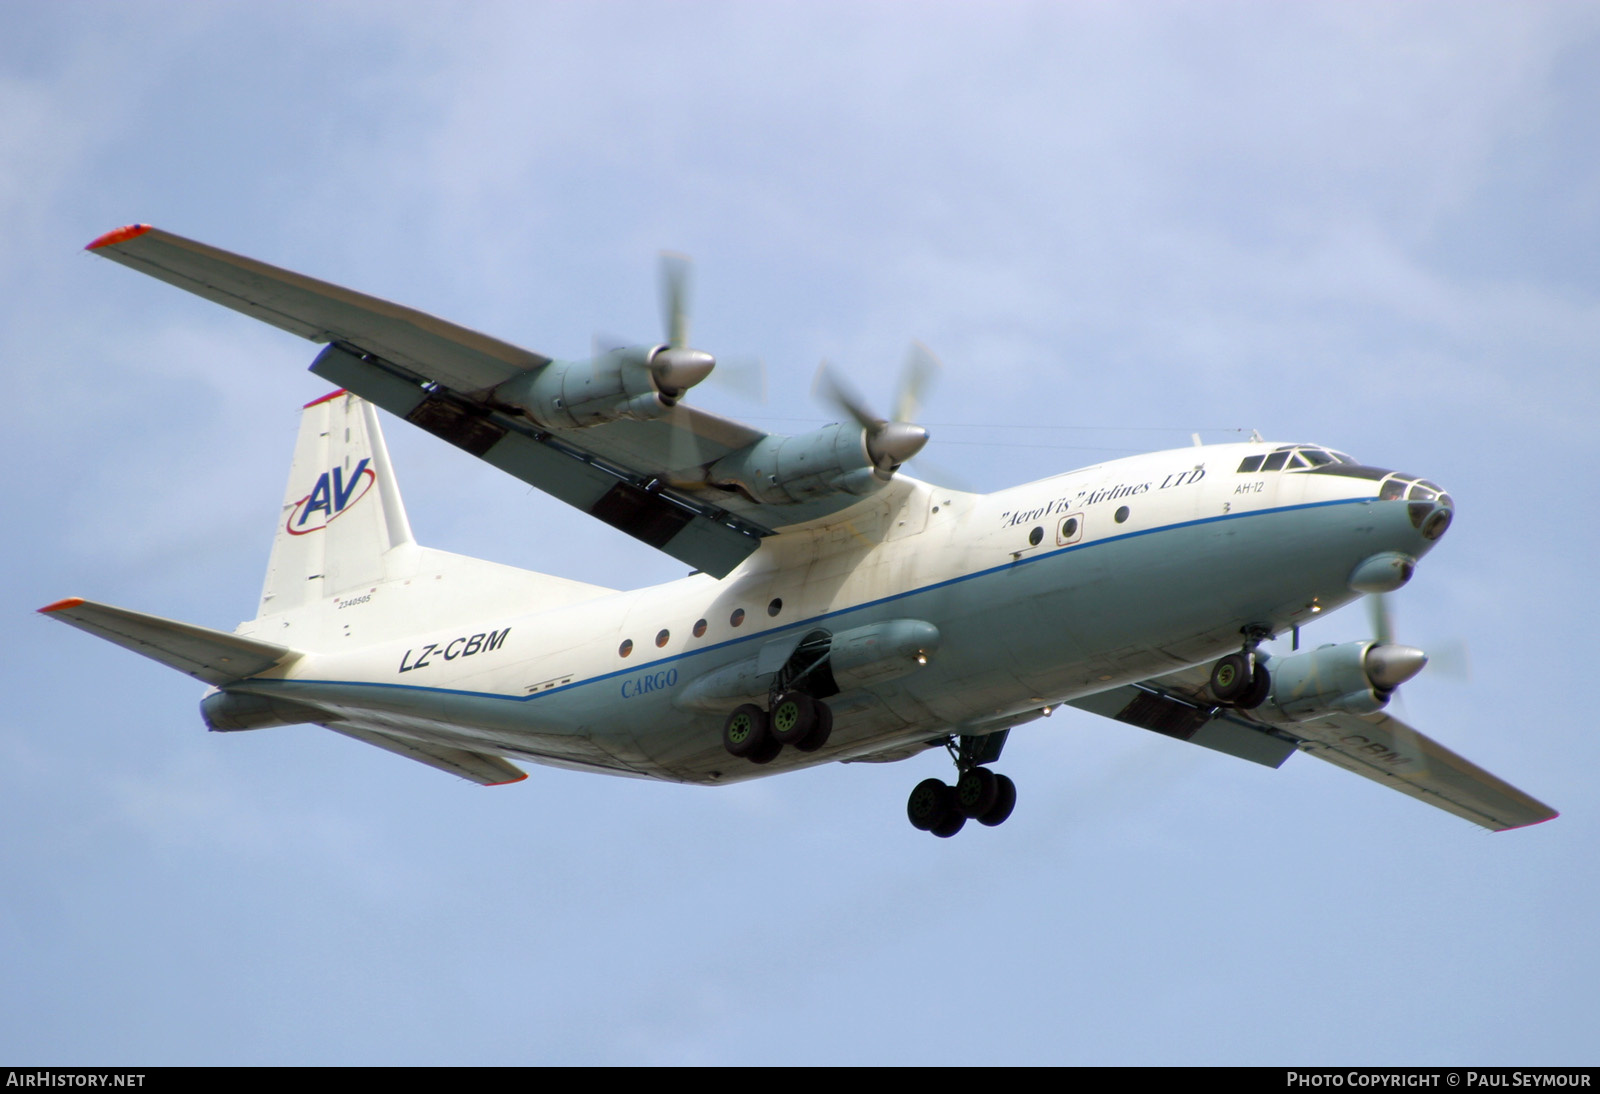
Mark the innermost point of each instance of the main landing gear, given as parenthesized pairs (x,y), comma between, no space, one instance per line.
(795,719)
(795,716)
(1240,679)
(979,794)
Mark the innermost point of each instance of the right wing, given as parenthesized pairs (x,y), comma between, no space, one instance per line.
(462,359)
(648,475)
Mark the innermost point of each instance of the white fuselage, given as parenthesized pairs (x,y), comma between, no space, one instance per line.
(1047,591)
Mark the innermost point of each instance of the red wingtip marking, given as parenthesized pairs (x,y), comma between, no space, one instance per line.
(1530,824)
(509,782)
(69,602)
(325,398)
(120,235)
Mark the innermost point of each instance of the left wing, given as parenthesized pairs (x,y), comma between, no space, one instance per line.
(608,436)
(1377,746)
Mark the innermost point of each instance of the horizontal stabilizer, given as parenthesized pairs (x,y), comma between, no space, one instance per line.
(215,657)
(477,767)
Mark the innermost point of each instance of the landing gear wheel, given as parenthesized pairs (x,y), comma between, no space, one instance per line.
(976,792)
(950,827)
(1231,677)
(767,752)
(745,733)
(820,732)
(1005,801)
(794,716)
(930,805)
(1260,688)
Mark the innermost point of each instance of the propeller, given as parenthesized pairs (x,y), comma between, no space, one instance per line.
(678,367)
(1389,665)
(889,442)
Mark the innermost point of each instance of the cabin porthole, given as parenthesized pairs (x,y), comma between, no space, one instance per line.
(1121,515)
(661,639)
(699,628)
(776,606)
(1035,536)
(626,647)
(736,618)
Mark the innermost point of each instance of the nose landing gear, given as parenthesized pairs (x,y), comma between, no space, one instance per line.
(979,794)
(1240,679)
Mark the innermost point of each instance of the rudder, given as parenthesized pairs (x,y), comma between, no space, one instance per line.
(342,517)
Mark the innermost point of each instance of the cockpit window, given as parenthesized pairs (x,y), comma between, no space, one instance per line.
(1392,489)
(1298,458)
(1420,491)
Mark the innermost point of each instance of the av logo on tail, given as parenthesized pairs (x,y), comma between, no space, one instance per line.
(330,498)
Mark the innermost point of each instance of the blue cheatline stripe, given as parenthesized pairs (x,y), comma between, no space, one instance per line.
(813,620)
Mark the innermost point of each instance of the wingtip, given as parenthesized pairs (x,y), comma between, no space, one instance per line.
(510,782)
(324,398)
(118,235)
(1553,815)
(61,605)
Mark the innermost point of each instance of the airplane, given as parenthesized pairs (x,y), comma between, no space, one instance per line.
(839,609)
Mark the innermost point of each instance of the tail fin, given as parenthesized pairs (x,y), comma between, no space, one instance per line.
(342,520)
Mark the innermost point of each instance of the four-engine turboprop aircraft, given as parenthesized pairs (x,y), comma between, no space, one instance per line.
(840,610)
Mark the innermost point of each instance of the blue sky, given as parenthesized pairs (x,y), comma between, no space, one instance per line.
(1372,226)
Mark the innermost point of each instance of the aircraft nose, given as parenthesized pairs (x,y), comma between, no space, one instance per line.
(1427,505)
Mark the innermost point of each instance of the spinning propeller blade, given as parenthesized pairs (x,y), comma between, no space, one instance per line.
(890,442)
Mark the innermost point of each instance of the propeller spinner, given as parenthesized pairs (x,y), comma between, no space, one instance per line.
(889,442)
(677,367)
(1389,665)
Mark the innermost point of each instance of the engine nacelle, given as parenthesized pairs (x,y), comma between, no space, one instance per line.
(1350,678)
(638,383)
(780,470)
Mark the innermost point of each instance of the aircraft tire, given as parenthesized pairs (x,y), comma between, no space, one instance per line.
(1231,677)
(1005,801)
(952,824)
(976,792)
(820,732)
(745,732)
(1260,688)
(767,753)
(793,717)
(930,804)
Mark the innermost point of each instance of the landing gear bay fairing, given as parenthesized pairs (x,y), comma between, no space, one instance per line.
(840,609)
